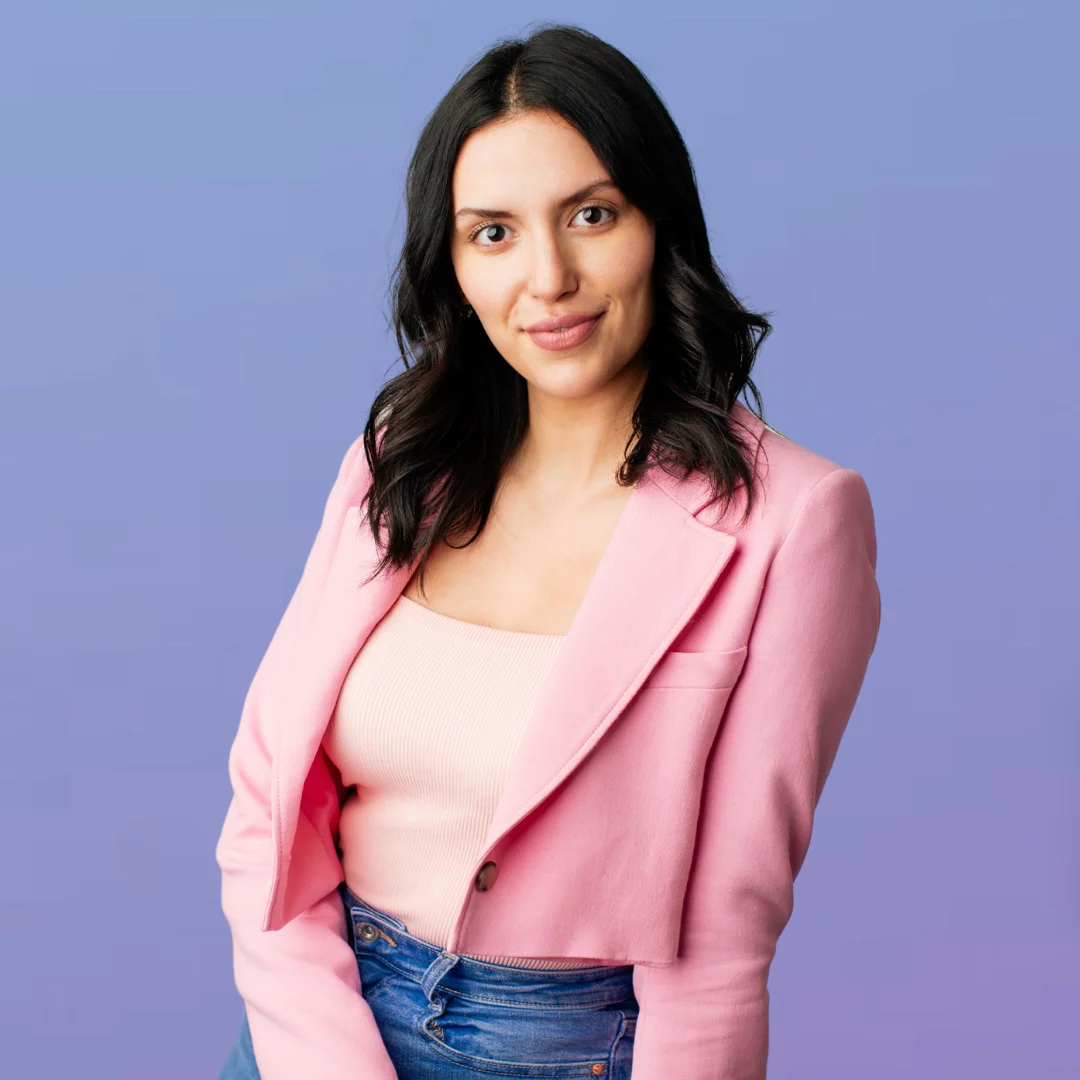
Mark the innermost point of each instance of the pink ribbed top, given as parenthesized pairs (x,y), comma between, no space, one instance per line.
(427,725)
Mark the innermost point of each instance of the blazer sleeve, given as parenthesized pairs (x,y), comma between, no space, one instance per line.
(300,983)
(706,1016)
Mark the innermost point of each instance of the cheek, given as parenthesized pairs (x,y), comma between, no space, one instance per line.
(483,283)
(491,299)
(625,270)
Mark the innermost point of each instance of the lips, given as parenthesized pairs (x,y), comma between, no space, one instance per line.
(567,332)
(563,322)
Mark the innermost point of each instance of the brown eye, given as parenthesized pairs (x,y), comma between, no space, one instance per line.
(595,210)
(485,231)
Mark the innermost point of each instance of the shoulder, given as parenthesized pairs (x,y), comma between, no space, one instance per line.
(354,475)
(792,480)
(350,484)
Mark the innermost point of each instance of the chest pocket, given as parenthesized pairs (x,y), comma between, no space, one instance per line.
(696,670)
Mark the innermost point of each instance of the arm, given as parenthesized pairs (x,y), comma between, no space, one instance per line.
(706,1016)
(300,984)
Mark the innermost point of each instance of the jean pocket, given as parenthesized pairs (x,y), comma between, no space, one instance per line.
(537,1041)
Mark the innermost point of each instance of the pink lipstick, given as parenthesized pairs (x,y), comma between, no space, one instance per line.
(564,331)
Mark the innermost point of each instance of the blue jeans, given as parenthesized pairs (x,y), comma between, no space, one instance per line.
(447,1017)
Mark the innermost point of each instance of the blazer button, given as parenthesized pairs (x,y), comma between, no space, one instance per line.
(486,876)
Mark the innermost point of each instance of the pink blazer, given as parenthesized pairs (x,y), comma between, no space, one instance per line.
(663,796)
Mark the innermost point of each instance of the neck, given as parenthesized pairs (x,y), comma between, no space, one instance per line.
(575,446)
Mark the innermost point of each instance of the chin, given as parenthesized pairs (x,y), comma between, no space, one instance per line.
(576,385)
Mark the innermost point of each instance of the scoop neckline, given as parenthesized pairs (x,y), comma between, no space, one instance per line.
(450,620)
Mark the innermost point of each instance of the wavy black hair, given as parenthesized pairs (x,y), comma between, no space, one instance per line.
(440,433)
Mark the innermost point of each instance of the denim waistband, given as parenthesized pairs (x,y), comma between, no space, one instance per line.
(374,933)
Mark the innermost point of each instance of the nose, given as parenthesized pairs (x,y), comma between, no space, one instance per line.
(552,273)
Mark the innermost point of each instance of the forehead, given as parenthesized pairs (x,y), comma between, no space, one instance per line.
(534,157)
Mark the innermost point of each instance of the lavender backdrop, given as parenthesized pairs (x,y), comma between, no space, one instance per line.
(199,203)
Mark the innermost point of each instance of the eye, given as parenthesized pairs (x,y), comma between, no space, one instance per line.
(485,229)
(594,207)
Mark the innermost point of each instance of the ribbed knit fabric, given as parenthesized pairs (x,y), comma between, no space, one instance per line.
(428,722)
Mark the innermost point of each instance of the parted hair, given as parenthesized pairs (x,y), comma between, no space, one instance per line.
(440,432)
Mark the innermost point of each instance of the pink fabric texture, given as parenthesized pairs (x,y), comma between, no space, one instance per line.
(426,726)
(661,799)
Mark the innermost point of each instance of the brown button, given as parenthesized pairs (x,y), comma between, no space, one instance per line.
(486,876)
(598,1069)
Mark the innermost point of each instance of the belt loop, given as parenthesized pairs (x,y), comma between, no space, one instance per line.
(436,970)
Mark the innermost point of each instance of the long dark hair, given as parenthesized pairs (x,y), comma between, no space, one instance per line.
(440,432)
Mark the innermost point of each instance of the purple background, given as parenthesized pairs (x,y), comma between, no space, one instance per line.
(199,205)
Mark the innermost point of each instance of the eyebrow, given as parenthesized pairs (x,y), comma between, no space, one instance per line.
(582,193)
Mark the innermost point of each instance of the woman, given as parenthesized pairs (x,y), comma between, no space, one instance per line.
(526,774)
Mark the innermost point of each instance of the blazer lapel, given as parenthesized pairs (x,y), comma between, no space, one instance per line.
(344,611)
(659,565)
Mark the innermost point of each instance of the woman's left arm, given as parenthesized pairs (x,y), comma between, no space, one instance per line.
(706,1016)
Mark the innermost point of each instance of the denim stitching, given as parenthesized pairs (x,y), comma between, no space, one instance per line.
(528,1071)
(585,1005)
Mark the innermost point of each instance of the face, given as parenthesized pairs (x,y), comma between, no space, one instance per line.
(539,232)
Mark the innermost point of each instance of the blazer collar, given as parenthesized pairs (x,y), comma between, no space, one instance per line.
(659,565)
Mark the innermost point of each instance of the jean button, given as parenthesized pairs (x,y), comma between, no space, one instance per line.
(367,932)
